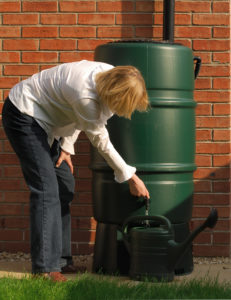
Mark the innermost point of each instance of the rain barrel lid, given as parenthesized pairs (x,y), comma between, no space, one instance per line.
(144,41)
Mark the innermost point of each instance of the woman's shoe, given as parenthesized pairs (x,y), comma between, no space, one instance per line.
(56,277)
(53,276)
(72,269)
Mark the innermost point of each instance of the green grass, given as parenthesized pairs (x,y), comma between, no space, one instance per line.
(89,287)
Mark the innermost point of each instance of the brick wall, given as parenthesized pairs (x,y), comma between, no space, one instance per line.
(39,34)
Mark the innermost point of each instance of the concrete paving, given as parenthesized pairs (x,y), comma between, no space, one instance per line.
(220,271)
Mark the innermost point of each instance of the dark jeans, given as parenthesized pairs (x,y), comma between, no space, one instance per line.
(51,188)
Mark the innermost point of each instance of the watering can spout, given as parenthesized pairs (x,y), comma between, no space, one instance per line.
(176,250)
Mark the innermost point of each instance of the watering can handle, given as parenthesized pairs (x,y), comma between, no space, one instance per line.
(140,219)
(198,66)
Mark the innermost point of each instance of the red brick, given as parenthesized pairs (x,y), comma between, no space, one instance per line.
(221,109)
(50,44)
(40,6)
(221,135)
(9,185)
(84,249)
(192,6)
(61,19)
(184,42)
(215,71)
(96,19)
(8,6)
(78,32)
(22,44)
(207,250)
(206,57)
(115,6)
(221,32)
(83,235)
(221,187)
(221,6)
(221,160)
(221,83)
(82,210)
(148,32)
(20,70)
(8,82)
(84,173)
(221,57)
(83,147)
(11,235)
(12,171)
(211,199)
(6,146)
(211,45)
(83,185)
(203,160)
(10,31)
(221,173)
(134,19)
(203,109)
(40,57)
(14,222)
(145,6)
(204,135)
(203,83)
(212,96)
(180,19)
(86,44)
(211,19)
(223,225)
(201,212)
(193,32)
(203,238)
(84,223)
(77,6)
(202,186)
(211,173)
(17,197)
(40,32)
(21,19)
(44,67)
(211,148)
(85,198)
(75,56)
(212,122)
(221,238)
(114,32)
(14,247)
(11,209)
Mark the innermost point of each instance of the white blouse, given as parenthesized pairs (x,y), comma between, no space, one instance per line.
(63,100)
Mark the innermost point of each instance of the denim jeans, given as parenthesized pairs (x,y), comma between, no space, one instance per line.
(51,190)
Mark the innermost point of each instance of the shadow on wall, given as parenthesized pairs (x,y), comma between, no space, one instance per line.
(137,20)
(212,189)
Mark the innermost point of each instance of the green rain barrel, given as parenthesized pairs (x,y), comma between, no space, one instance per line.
(160,143)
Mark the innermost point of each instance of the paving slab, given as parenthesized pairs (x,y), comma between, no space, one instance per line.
(221,272)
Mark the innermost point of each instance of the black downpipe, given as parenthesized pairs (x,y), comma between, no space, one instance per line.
(168,20)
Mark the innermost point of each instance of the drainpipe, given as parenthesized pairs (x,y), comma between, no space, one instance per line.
(168,21)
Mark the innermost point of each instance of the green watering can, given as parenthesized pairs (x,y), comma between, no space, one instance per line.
(152,248)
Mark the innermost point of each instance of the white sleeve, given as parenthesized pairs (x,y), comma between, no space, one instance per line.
(67,143)
(70,135)
(89,117)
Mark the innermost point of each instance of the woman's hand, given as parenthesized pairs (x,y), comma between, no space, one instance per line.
(65,156)
(137,187)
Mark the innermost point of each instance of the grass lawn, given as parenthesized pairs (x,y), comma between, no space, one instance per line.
(90,287)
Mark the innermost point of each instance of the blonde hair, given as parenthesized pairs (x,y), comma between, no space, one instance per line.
(123,90)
